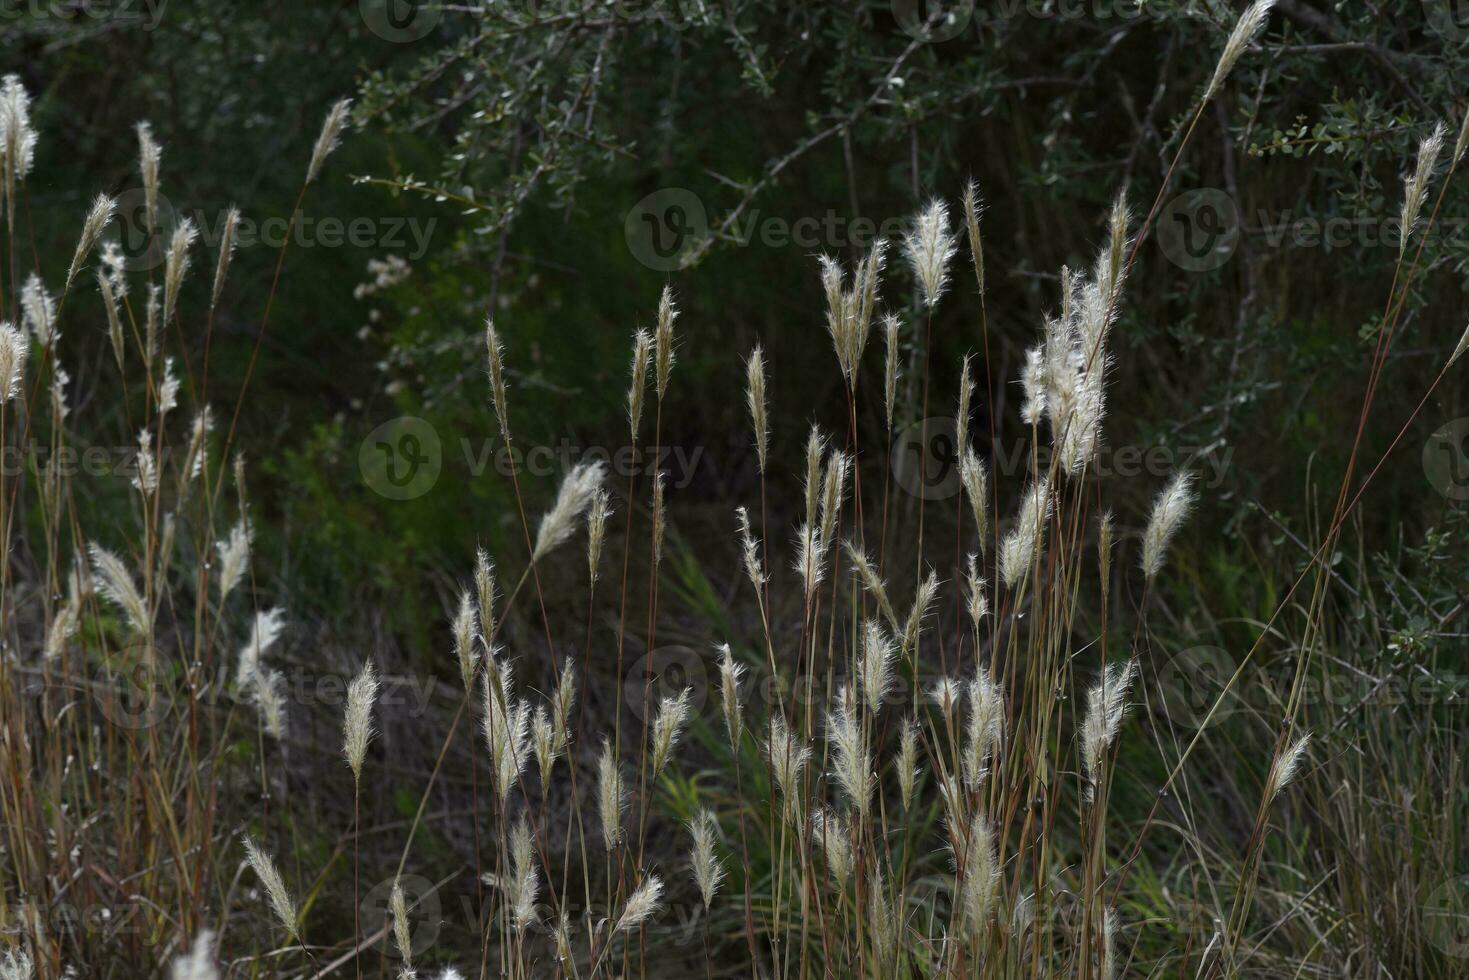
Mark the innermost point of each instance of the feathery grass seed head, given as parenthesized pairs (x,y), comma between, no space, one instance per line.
(930,246)
(1244,32)
(572,500)
(1170,510)
(275,886)
(329,138)
(357,719)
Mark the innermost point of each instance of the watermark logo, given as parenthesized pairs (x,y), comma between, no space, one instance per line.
(925,458)
(143,246)
(131,697)
(424,912)
(665,673)
(1446,460)
(933,20)
(401,459)
(146,14)
(1194,684)
(1446,917)
(1199,230)
(400,21)
(1449,19)
(663,228)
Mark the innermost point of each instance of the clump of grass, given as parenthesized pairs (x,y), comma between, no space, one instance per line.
(934,803)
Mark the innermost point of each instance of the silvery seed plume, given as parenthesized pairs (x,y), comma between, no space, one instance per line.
(115,584)
(810,561)
(1034,383)
(986,727)
(641,905)
(756,400)
(833,495)
(642,354)
(1106,703)
(562,703)
(1111,264)
(1019,548)
(1108,966)
(975,481)
(14,348)
(150,155)
(1170,510)
(660,517)
(908,768)
(572,500)
(275,887)
(16,964)
(610,796)
(946,692)
(114,265)
(1284,768)
(1244,32)
(708,872)
(838,319)
(198,963)
(929,247)
(831,834)
(1462,142)
(466,650)
(788,756)
(890,325)
(1415,188)
(876,665)
(973,207)
(17,141)
(597,513)
(881,922)
(564,954)
(484,589)
(663,340)
(63,627)
(98,217)
(872,582)
(59,380)
(226,253)
(673,714)
(38,312)
(868,279)
(1104,550)
(981,876)
(851,762)
(357,719)
(330,137)
(543,742)
(923,598)
(265,628)
(977,605)
(525,882)
(506,728)
(815,445)
(197,456)
(151,322)
(730,674)
(961,413)
(114,319)
(750,552)
(270,701)
(168,389)
(402,930)
(146,477)
(495,356)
